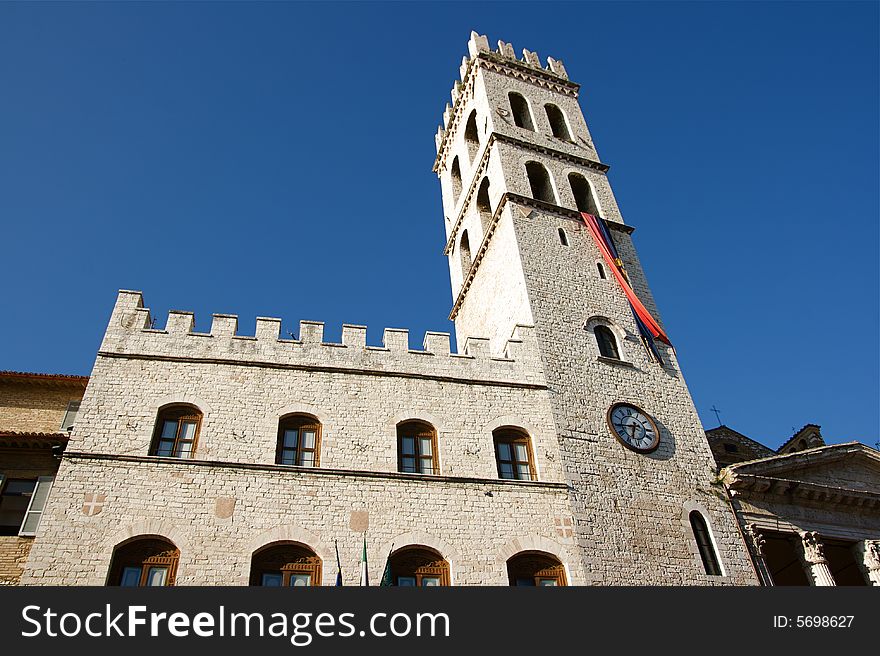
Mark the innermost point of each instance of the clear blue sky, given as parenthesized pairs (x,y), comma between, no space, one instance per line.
(275,160)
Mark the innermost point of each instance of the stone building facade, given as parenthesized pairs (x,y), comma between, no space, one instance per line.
(36,413)
(810,511)
(221,458)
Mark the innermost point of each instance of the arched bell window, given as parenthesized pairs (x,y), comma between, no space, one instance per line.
(583,194)
(471,138)
(465,254)
(539,182)
(522,116)
(285,564)
(558,125)
(146,561)
(484,205)
(455,174)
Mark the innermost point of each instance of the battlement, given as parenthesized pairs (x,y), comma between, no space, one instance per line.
(478,47)
(132,332)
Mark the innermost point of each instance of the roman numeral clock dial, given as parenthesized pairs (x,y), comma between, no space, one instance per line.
(633,427)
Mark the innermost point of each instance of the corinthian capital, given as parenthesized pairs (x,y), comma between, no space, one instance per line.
(814,550)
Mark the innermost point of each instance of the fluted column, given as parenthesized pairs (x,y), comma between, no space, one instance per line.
(756,546)
(870,550)
(814,559)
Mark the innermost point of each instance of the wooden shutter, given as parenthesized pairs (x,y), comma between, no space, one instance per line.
(34,511)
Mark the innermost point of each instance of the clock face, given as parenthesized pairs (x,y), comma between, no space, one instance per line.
(633,427)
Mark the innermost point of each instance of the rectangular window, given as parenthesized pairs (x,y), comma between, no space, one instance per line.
(156,576)
(131,577)
(35,507)
(272,580)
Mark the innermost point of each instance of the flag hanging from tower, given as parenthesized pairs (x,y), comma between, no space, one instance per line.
(647,324)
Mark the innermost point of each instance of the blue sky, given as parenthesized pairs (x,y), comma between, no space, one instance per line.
(275,160)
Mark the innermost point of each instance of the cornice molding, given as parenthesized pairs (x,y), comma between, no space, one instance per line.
(308,472)
(746,485)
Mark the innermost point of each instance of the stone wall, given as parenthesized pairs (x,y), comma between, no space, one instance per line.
(475,524)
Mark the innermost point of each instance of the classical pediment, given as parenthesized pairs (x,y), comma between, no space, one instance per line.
(841,471)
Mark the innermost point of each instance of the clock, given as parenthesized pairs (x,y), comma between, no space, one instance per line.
(633,427)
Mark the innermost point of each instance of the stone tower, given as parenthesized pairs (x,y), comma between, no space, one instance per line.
(517,165)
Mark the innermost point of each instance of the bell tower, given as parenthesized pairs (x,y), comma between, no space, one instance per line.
(518,167)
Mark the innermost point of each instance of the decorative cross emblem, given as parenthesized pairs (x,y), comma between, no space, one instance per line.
(93,504)
(717,413)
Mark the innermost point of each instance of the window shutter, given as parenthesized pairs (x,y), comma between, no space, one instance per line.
(35,507)
(70,415)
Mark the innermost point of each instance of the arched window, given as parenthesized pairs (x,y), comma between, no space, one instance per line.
(513,454)
(522,117)
(416,448)
(148,560)
(534,568)
(704,544)
(299,441)
(176,432)
(419,567)
(563,238)
(484,205)
(455,173)
(539,181)
(583,194)
(285,564)
(471,138)
(601,268)
(557,122)
(607,343)
(465,248)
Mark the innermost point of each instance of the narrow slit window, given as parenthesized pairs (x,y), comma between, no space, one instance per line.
(704,544)
(601,270)
(563,238)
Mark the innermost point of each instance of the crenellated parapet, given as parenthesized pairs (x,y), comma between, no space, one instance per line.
(132,333)
(504,59)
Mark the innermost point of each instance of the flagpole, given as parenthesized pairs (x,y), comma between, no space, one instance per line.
(365,577)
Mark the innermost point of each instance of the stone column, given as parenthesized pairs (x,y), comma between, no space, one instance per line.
(756,547)
(814,558)
(870,552)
